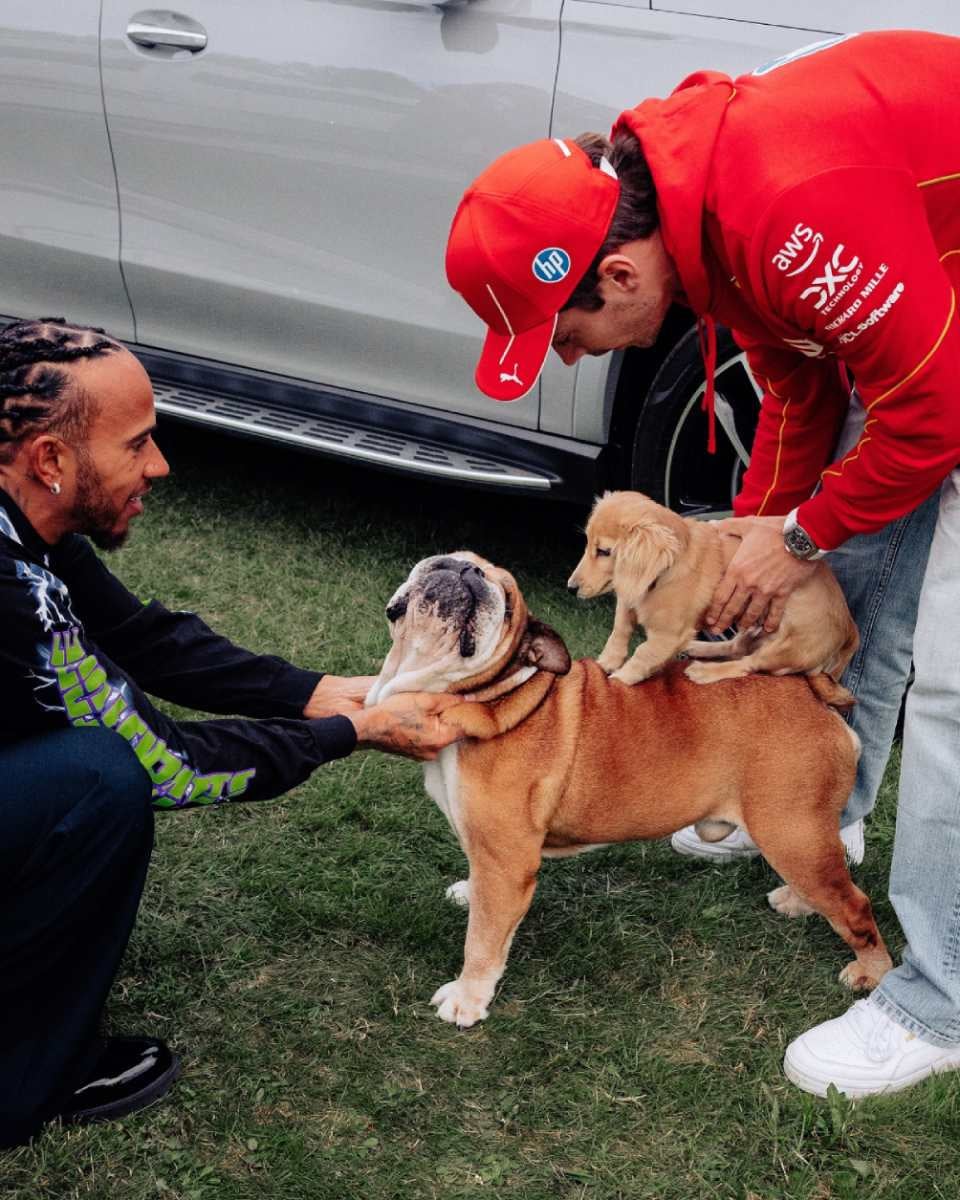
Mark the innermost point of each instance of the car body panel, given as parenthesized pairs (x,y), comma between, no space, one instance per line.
(59,227)
(287,191)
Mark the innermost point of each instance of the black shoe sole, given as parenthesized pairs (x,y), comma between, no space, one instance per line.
(129,1104)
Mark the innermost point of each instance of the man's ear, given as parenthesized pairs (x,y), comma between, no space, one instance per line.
(45,459)
(617,271)
(544,649)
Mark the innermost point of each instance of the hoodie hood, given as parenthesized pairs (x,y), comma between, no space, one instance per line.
(678,136)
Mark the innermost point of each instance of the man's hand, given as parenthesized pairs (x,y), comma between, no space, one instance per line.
(410,723)
(759,579)
(338,695)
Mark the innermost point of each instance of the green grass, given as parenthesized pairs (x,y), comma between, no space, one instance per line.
(288,950)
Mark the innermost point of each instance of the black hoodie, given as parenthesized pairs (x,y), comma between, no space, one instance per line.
(77,648)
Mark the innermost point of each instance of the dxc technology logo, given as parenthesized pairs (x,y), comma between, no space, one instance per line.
(835,274)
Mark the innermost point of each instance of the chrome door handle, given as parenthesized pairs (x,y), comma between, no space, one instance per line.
(168,29)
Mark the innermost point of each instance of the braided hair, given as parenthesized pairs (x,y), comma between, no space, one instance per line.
(35,392)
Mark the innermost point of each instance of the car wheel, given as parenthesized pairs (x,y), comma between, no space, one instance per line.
(669,461)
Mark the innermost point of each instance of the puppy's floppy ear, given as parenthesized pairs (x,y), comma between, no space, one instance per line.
(544,649)
(644,552)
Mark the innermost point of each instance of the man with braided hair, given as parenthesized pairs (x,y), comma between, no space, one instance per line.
(813,207)
(84,754)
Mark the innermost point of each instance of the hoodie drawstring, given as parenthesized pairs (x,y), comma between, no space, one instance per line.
(707,336)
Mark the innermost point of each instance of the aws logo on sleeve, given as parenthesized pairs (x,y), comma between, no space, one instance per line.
(838,273)
(799,251)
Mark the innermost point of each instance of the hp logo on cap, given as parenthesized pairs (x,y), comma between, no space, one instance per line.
(551,265)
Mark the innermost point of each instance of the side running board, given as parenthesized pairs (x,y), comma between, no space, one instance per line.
(341,438)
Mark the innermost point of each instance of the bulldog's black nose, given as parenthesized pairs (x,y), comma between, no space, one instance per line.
(573,587)
(471,578)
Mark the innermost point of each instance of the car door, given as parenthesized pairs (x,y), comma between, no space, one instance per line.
(59,231)
(287,184)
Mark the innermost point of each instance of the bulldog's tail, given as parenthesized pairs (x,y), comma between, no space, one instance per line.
(830,692)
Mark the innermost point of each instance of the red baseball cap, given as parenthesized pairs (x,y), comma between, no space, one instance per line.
(525,234)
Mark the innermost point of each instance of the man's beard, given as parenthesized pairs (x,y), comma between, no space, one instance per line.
(94,512)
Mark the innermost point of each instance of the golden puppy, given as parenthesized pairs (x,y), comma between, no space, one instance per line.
(664,569)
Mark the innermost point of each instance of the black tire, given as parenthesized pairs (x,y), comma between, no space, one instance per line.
(669,460)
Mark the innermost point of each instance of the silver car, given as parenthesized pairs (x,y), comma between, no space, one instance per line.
(256,198)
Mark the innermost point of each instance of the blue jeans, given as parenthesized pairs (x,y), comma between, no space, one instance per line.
(881,574)
(923,992)
(76,831)
(903,588)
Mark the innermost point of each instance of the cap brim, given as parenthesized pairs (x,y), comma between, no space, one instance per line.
(509,367)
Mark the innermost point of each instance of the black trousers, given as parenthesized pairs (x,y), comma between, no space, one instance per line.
(76,833)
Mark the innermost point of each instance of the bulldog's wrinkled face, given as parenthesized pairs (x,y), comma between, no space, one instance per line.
(453,623)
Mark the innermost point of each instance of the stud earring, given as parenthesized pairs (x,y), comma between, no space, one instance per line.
(55,488)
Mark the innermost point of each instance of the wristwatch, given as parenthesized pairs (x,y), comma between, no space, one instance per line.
(796,539)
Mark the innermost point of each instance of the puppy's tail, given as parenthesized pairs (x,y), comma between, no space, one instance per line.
(841,658)
(831,692)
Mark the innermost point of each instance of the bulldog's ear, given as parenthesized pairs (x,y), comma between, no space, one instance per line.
(545,650)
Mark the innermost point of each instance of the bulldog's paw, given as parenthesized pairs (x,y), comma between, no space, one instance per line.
(609,661)
(459,893)
(456,1003)
(786,901)
(855,976)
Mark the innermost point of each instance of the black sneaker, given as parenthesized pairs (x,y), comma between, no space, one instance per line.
(130,1073)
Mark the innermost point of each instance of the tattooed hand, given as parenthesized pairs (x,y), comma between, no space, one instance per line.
(410,723)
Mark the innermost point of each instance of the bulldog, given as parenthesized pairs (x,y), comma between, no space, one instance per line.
(558,758)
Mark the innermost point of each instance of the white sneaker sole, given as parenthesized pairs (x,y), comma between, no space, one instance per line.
(817,1087)
(716,851)
(723,851)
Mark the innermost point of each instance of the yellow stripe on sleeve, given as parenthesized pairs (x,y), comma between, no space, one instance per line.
(776,466)
(926,358)
(941,179)
(854,453)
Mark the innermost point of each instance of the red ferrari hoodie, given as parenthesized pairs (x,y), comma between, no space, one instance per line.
(814,208)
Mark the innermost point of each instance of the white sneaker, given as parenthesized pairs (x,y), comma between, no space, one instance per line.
(852,838)
(740,844)
(864,1053)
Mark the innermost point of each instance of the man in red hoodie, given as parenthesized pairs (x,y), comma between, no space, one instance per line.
(814,208)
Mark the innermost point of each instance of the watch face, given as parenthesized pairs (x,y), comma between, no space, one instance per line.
(799,543)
